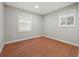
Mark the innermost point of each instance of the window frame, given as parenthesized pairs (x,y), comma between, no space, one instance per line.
(66,15)
(19,23)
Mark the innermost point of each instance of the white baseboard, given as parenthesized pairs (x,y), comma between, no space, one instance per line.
(21,39)
(1,48)
(61,40)
(40,36)
(17,41)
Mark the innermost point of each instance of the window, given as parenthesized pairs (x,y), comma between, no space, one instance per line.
(67,19)
(24,23)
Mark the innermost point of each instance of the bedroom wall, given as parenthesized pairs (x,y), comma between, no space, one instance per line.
(1,26)
(51,28)
(42,25)
(11,28)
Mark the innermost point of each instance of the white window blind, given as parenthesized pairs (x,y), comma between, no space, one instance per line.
(24,23)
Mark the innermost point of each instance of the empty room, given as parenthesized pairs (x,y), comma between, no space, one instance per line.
(39,29)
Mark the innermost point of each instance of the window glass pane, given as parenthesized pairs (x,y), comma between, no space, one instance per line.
(24,23)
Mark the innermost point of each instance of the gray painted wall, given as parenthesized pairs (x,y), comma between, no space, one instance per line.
(46,25)
(1,26)
(11,28)
(51,28)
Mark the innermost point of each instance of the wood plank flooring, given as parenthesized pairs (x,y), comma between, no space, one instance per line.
(39,47)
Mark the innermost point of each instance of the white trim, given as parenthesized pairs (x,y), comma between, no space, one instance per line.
(21,39)
(36,37)
(61,40)
(40,36)
(1,48)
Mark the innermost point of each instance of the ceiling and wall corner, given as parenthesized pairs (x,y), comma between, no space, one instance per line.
(43,7)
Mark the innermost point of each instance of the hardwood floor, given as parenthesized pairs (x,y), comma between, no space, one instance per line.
(78,52)
(39,47)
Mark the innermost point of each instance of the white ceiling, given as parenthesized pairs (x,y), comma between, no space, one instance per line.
(44,7)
